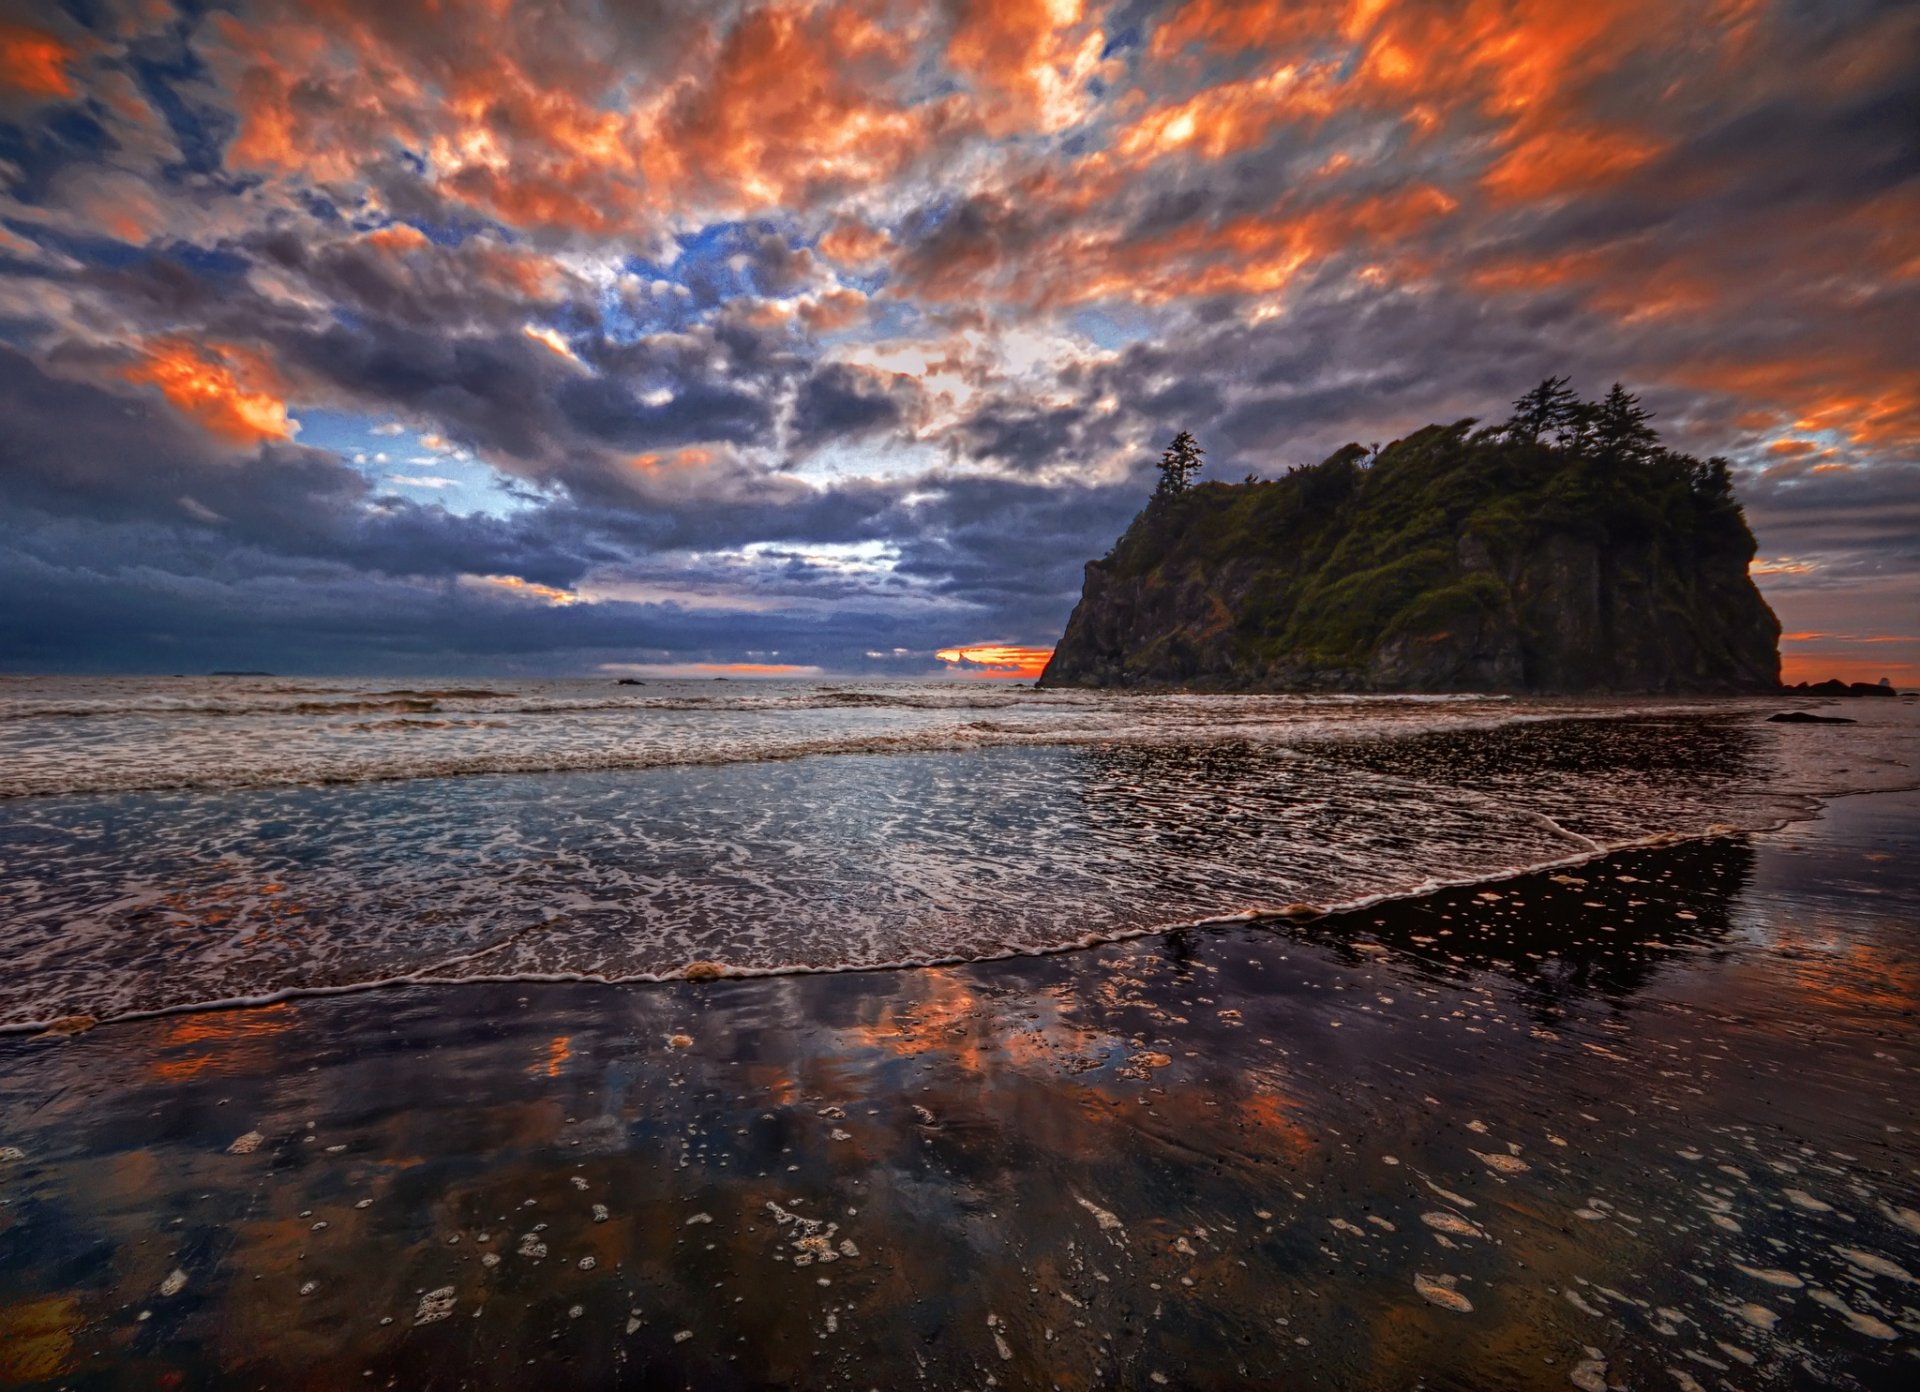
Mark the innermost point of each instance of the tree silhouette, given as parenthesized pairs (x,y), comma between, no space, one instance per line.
(1549,407)
(1178,465)
(1620,428)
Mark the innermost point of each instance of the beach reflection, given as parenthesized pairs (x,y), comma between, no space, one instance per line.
(1461,1140)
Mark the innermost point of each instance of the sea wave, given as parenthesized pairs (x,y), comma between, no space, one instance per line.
(167,762)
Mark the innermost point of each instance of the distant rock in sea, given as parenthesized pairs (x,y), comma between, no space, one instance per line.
(1836,687)
(1808,718)
(1452,560)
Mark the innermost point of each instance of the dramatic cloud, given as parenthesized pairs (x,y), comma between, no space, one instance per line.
(837,334)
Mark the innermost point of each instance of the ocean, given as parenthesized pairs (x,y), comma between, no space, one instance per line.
(177,843)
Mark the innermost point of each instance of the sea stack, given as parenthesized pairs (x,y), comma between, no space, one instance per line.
(1453,560)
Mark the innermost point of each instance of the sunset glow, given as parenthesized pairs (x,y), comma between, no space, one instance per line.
(692,295)
(996,660)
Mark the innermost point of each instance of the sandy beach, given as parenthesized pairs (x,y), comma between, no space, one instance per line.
(1646,1122)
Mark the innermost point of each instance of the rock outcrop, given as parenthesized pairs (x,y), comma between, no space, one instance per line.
(1450,562)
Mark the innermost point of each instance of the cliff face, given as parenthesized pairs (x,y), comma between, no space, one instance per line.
(1452,563)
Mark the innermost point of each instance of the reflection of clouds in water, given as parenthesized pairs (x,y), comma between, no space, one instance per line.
(1155,1152)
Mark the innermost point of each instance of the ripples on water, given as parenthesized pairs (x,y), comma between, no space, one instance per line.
(167,843)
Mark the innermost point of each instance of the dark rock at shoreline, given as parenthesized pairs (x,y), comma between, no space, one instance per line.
(1450,562)
(1835,687)
(1808,718)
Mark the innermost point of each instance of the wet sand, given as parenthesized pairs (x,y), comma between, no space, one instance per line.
(1646,1123)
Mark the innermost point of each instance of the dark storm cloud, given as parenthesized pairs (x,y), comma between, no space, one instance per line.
(840,400)
(660,265)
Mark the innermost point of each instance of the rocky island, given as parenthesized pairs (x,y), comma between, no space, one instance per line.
(1565,550)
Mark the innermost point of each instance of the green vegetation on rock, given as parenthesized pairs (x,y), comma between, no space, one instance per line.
(1565,550)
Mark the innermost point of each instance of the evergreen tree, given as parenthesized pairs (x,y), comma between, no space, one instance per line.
(1549,407)
(1178,465)
(1711,482)
(1620,428)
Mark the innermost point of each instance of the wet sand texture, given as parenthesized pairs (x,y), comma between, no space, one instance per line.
(1646,1123)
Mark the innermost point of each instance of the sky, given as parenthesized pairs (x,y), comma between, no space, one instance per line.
(702,337)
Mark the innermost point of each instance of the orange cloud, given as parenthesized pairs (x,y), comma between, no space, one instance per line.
(997,660)
(854,243)
(231,392)
(1028,59)
(398,237)
(1556,161)
(687,458)
(550,594)
(1846,389)
(1226,118)
(34,62)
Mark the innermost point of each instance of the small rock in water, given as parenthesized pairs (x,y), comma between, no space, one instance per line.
(247,1144)
(434,1305)
(1438,1290)
(679,1041)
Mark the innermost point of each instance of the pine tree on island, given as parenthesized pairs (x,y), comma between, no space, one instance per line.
(1178,465)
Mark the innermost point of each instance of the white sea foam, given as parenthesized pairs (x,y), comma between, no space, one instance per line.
(171,845)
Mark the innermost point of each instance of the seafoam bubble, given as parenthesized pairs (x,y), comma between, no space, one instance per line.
(1858,1321)
(175,1283)
(1759,1316)
(1452,1223)
(1589,1375)
(1106,1220)
(434,1305)
(1773,1276)
(247,1144)
(1502,1164)
(1575,1299)
(1800,1198)
(1439,1290)
(1875,1263)
(1903,1217)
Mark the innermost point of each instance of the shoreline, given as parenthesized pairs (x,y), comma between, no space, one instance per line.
(1244,1153)
(1817,805)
